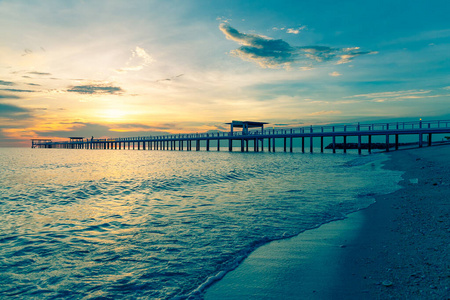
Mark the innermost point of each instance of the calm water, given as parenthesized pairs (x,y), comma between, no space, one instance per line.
(100,224)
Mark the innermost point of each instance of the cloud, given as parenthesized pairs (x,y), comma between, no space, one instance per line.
(138,60)
(169,79)
(267,52)
(276,53)
(2,82)
(26,52)
(295,30)
(96,89)
(136,127)
(291,30)
(394,96)
(10,111)
(77,129)
(325,112)
(391,94)
(98,130)
(17,90)
(335,74)
(39,73)
(9,96)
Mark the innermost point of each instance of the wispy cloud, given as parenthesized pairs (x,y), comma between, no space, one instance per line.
(17,90)
(138,60)
(335,74)
(169,79)
(133,127)
(9,83)
(86,129)
(295,30)
(27,52)
(9,111)
(96,89)
(325,112)
(394,96)
(423,36)
(39,73)
(2,96)
(276,53)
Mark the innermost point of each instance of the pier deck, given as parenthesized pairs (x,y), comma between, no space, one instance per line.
(258,139)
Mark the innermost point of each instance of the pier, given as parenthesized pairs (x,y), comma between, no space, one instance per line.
(263,139)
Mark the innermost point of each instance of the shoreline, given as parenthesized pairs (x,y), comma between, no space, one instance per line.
(395,248)
(403,250)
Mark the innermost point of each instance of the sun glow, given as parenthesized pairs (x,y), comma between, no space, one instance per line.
(113,115)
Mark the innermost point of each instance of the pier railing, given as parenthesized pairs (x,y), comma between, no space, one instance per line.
(355,127)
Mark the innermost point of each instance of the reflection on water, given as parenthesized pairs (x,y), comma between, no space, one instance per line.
(96,223)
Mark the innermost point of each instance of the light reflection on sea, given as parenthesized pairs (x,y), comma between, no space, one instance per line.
(83,224)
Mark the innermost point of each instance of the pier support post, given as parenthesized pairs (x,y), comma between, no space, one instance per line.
(230,145)
(359,144)
(396,141)
(273,145)
(387,142)
(285,141)
(429,139)
(290,143)
(345,144)
(303,144)
(311,144)
(321,143)
(334,142)
(420,138)
(242,145)
(207,145)
(370,144)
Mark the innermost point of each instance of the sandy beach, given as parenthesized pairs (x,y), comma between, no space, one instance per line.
(398,248)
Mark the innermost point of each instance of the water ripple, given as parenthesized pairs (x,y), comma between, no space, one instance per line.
(153,224)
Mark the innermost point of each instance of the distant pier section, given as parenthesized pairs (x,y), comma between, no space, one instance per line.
(255,137)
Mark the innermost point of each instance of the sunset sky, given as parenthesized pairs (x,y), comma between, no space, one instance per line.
(134,68)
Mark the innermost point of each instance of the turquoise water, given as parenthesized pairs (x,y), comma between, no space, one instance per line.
(101,224)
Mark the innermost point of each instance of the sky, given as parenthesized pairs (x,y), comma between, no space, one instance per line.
(138,68)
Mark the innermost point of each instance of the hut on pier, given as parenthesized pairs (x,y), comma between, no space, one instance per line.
(245,125)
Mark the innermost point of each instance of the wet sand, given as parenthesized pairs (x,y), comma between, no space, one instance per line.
(398,248)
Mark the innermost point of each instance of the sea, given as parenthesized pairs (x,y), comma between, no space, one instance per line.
(124,224)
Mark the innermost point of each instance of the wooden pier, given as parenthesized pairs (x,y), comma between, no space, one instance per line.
(257,140)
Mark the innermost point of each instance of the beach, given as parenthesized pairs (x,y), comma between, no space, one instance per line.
(397,248)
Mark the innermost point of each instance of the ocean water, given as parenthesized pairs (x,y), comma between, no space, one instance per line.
(105,224)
